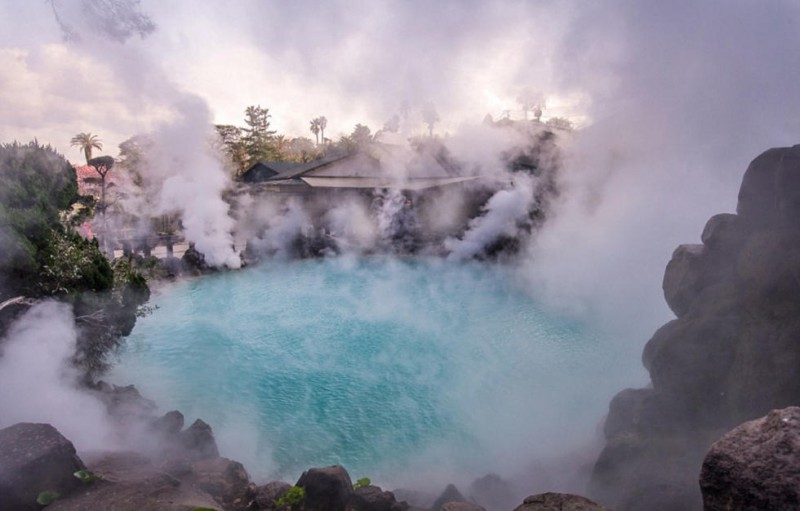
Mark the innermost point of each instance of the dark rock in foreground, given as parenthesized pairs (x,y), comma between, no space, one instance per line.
(558,502)
(327,489)
(755,466)
(731,355)
(35,458)
(267,495)
(372,498)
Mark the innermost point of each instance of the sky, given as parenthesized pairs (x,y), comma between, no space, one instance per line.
(673,98)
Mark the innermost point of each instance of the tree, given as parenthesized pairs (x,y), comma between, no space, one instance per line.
(230,137)
(302,150)
(102,165)
(430,116)
(323,123)
(36,185)
(560,123)
(87,142)
(531,100)
(257,137)
(314,127)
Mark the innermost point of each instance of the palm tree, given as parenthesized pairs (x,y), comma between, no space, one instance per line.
(87,142)
(430,116)
(315,128)
(323,123)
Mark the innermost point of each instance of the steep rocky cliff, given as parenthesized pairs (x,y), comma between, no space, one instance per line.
(732,354)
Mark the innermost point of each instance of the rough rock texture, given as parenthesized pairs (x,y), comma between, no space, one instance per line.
(129,482)
(225,480)
(372,498)
(327,489)
(198,441)
(558,502)
(35,458)
(732,354)
(450,494)
(755,466)
(267,494)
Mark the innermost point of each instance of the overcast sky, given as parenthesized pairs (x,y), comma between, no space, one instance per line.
(357,61)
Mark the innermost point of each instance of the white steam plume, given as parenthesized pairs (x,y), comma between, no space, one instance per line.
(39,384)
(502,214)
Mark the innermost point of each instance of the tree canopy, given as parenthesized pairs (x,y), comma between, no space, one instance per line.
(39,257)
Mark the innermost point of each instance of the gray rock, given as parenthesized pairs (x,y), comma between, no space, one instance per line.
(198,441)
(755,466)
(770,191)
(129,482)
(327,489)
(35,458)
(171,423)
(684,278)
(723,232)
(558,502)
(268,494)
(372,498)
(450,494)
(225,480)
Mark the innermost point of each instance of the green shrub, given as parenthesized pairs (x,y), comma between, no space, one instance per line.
(293,498)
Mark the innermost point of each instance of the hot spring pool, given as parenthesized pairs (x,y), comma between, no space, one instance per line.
(391,368)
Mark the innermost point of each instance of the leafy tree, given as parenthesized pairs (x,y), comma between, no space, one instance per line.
(257,138)
(359,139)
(302,150)
(233,146)
(531,100)
(102,165)
(560,123)
(87,142)
(132,157)
(36,184)
(430,116)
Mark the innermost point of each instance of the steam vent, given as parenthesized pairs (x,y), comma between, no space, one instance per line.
(732,354)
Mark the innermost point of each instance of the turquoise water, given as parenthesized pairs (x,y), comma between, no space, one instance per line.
(391,368)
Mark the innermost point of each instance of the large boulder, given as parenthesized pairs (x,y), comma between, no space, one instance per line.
(731,355)
(225,480)
(35,458)
(198,441)
(267,495)
(770,191)
(327,489)
(755,466)
(558,502)
(684,277)
(372,498)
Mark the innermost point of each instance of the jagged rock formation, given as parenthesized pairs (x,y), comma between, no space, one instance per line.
(732,354)
(35,458)
(755,466)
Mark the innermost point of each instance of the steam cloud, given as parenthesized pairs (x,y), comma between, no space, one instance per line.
(39,384)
